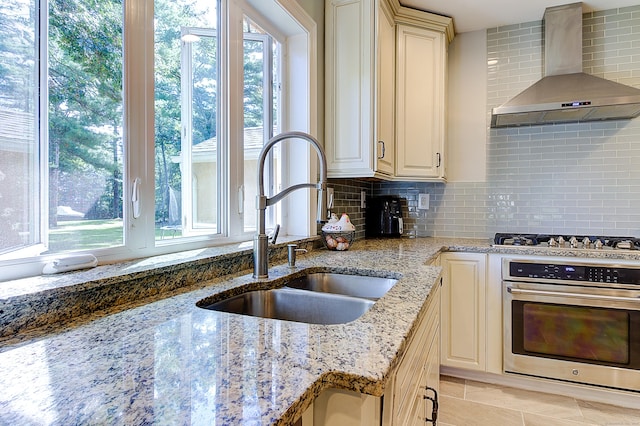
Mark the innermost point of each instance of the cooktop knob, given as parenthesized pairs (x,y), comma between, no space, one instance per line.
(560,241)
(598,244)
(573,242)
(624,245)
(586,242)
(552,242)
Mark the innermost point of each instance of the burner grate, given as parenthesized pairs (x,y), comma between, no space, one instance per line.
(518,239)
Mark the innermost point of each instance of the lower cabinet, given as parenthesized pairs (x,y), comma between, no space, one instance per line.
(419,371)
(410,398)
(463,316)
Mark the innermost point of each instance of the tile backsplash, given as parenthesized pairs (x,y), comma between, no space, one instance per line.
(347,193)
(581,178)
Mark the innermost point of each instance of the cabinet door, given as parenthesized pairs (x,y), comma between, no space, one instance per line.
(385,91)
(350,73)
(345,408)
(432,376)
(419,366)
(463,313)
(420,91)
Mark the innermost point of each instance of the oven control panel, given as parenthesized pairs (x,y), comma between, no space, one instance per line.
(574,272)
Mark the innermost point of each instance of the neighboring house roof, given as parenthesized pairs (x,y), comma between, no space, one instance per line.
(17,129)
(205,151)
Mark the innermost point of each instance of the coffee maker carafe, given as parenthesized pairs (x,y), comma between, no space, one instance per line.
(383,217)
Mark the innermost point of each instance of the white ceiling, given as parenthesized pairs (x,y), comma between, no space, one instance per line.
(472,15)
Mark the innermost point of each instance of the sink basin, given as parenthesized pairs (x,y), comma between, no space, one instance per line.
(351,285)
(295,305)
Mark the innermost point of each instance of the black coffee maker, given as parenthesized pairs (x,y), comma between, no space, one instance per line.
(383,217)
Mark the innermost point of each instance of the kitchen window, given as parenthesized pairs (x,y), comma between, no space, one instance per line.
(86,166)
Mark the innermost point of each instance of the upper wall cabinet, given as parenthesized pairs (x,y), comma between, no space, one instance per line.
(420,107)
(385,79)
(360,78)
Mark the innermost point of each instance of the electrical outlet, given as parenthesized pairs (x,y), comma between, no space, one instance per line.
(363,199)
(423,201)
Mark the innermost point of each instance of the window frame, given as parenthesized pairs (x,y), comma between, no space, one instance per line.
(299,113)
(267,130)
(186,149)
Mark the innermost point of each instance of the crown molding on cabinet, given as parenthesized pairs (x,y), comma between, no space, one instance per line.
(407,15)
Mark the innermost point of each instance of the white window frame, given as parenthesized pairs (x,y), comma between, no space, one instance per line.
(299,113)
(190,184)
(267,131)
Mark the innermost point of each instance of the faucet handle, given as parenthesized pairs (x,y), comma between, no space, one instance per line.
(274,235)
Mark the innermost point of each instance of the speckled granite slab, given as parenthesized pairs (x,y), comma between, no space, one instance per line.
(48,300)
(169,362)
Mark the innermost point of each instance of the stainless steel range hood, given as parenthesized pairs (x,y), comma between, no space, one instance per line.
(566,94)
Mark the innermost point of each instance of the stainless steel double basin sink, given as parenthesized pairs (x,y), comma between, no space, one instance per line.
(316,298)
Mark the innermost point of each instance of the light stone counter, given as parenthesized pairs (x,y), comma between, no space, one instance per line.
(166,361)
(170,362)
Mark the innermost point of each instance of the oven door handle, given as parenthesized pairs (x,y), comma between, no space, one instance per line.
(517,291)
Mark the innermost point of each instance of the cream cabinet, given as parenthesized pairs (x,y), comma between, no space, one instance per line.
(420,115)
(372,109)
(411,395)
(360,78)
(385,148)
(463,311)
(418,375)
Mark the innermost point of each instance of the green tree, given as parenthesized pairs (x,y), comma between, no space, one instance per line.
(253,87)
(18,105)
(17,50)
(205,89)
(170,17)
(85,96)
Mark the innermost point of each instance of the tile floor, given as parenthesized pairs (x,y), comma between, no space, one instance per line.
(470,403)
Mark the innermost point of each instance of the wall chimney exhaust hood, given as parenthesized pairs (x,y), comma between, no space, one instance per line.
(566,94)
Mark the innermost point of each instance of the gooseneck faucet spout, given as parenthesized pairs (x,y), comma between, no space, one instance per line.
(261,241)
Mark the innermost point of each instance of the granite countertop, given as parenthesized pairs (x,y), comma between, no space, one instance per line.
(166,361)
(170,362)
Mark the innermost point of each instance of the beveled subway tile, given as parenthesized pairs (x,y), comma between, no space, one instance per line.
(556,406)
(452,386)
(459,412)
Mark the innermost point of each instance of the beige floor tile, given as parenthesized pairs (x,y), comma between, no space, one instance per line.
(452,386)
(538,420)
(459,412)
(471,403)
(555,406)
(608,415)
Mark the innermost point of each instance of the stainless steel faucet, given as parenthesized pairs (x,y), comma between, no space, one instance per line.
(261,241)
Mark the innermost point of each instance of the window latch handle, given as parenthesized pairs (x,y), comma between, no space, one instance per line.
(135,197)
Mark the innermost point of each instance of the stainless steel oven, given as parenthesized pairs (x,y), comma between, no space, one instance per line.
(574,321)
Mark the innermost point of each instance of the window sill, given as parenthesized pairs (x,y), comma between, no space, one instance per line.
(38,304)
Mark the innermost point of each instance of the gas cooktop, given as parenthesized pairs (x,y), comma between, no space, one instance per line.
(567,241)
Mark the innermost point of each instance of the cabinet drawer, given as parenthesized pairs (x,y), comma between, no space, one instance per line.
(409,377)
(422,408)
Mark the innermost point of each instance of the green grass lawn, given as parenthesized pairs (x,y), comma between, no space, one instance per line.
(91,234)
(86,234)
